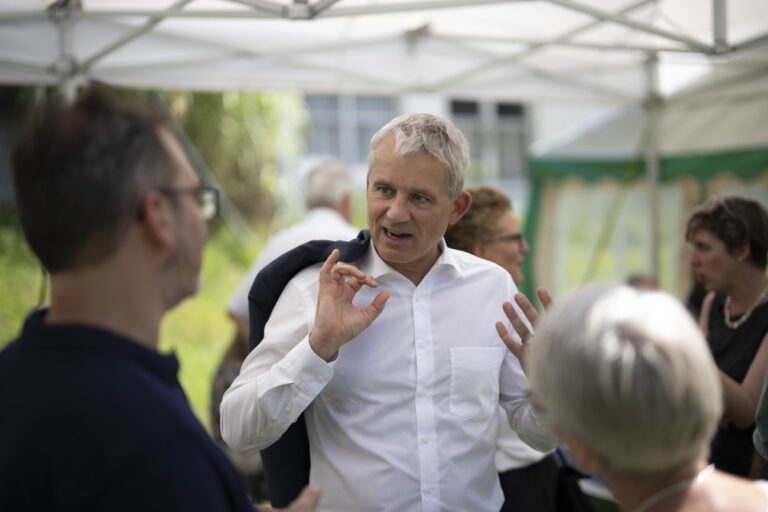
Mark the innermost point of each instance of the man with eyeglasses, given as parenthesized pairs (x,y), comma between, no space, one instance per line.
(93,417)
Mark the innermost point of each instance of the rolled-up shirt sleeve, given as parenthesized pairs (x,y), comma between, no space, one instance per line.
(278,379)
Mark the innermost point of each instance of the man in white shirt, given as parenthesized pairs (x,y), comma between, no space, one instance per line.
(401,387)
(328,189)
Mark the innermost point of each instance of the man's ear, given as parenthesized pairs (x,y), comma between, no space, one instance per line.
(460,206)
(156,217)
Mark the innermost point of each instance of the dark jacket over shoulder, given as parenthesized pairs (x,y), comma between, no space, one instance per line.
(90,420)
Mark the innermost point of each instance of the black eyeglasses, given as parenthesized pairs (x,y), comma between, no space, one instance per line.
(207,198)
(514,237)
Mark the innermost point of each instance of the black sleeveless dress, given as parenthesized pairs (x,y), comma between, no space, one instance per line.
(734,350)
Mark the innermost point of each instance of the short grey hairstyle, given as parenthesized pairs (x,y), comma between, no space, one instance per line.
(628,373)
(327,184)
(427,133)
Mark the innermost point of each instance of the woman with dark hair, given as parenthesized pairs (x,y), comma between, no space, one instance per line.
(729,239)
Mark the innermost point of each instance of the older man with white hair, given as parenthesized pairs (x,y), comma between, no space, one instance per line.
(400,388)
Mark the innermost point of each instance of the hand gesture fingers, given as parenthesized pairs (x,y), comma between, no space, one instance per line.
(544,297)
(337,319)
(342,271)
(330,261)
(516,348)
(522,328)
(528,310)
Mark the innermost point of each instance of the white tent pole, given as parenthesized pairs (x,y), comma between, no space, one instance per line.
(130,36)
(262,5)
(21,16)
(23,66)
(265,9)
(558,42)
(515,57)
(720,25)
(321,5)
(65,67)
(755,42)
(628,22)
(653,108)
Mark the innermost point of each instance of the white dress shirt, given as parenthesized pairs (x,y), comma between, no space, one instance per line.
(511,451)
(404,417)
(319,224)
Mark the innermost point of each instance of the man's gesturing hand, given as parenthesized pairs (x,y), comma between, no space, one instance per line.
(337,320)
(518,349)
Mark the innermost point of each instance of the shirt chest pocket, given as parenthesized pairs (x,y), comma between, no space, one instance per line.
(475,381)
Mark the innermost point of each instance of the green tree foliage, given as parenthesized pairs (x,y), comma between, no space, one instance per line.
(242,137)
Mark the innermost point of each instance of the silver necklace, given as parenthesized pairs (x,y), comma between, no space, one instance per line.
(675,488)
(745,316)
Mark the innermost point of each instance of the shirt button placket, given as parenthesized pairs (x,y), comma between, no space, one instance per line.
(424,402)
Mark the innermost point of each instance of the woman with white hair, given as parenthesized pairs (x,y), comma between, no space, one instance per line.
(627,381)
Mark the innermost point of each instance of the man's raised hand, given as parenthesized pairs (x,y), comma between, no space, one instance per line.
(337,320)
(518,349)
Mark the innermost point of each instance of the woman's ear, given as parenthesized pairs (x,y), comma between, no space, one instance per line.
(742,253)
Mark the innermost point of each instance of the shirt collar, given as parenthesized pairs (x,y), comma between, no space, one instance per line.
(372,264)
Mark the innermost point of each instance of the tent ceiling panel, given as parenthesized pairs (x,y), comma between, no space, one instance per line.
(496,49)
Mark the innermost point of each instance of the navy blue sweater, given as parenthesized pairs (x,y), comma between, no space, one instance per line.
(90,420)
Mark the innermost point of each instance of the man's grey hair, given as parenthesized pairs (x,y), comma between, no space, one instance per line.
(628,373)
(426,133)
(327,184)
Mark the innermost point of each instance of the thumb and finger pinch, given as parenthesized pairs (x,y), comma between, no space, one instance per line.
(337,319)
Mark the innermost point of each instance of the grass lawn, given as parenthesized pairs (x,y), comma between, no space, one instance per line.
(198,330)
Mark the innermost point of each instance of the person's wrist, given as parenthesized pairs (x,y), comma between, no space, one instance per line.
(324,349)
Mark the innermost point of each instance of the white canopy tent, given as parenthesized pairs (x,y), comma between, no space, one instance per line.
(644,55)
(520,50)
(594,179)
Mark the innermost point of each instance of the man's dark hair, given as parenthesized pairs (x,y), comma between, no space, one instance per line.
(80,171)
(736,221)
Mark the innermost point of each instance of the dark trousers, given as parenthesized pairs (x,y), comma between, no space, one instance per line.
(532,488)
